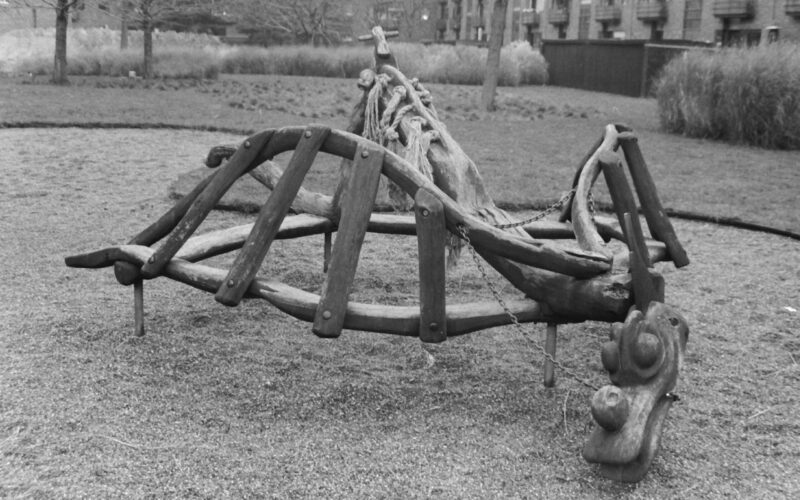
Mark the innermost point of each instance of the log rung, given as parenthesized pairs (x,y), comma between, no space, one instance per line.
(270,217)
(357,202)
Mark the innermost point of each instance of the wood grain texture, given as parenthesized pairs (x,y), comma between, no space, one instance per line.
(585,231)
(658,222)
(245,158)
(624,202)
(357,202)
(396,320)
(270,217)
(125,272)
(431,238)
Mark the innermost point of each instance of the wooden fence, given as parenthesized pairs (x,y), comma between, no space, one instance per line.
(627,67)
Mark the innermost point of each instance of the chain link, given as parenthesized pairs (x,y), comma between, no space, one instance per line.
(541,215)
(462,232)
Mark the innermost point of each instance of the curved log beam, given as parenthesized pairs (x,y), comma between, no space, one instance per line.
(531,252)
(643,358)
(397,320)
(585,231)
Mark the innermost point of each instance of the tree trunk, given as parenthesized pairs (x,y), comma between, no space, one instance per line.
(147,70)
(493,59)
(60,62)
(123,26)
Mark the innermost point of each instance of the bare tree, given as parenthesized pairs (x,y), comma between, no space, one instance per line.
(317,22)
(493,58)
(62,9)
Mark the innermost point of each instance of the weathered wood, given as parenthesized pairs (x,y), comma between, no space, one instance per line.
(245,158)
(138,308)
(431,238)
(269,219)
(566,210)
(306,201)
(551,337)
(624,202)
(397,320)
(644,288)
(125,272)
(658,222)
(532,252)
(222,241)
(326,251)
(602,298)
(585,231)
(626,447)
(356,209)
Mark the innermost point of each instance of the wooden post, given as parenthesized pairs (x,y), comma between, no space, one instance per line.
(357,203)
(645,289)
(431,236)
(240,163)
(551,334)
(657,221)
(326,251)
(138,308)
(269,219)
(624,202)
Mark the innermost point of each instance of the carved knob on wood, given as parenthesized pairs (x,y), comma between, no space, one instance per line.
(609,356)
(610,408)
(648,350)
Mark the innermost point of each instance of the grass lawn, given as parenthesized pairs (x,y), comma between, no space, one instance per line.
(217,402)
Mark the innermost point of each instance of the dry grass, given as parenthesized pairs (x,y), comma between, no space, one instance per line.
(230,403)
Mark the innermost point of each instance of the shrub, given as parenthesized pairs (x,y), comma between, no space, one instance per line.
(749,96)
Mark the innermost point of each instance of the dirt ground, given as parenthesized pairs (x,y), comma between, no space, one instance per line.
(232,403)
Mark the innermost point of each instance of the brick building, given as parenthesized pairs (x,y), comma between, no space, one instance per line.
(727,22)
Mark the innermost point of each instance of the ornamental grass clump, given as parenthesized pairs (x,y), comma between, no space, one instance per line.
(747,96)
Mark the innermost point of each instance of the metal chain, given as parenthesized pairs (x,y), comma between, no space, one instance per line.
(541,215)
(462,232)
(590,200)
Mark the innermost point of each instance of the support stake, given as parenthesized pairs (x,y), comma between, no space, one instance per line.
(138,308)
(326,251)
(550,348)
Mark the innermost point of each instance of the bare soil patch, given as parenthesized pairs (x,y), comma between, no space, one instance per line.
(216,402)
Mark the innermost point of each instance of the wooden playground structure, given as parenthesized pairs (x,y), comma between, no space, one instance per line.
(395,132)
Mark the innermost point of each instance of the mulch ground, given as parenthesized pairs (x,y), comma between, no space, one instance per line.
(215,402)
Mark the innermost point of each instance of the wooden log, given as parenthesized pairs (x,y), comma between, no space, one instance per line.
(356,209)
(532,252)
(623,201)
(645,290)
(397,320)
(269,219)
(305,202)
(125,272)
(245,158)
(626,451)
(566,211)
(222,241)
(431,238)
(138,308)
(658,222)
(585,231)
(326,251)
(551,336)
(602,298)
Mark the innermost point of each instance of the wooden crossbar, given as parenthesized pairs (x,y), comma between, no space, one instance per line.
(269,219)
(624,202)
(431,236)
(357,202)
(659,224)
